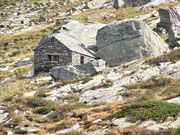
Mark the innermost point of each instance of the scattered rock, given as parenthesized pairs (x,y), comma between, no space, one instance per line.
(9,132)
(97,132)
(30,94)
(42,19)
(72,72)
(122,123)
(24,62)
(3,67)
(96,15)
(174,100)
(93,4)
(29,74)
(147,123)
(3,116)
(98,120)
(165,125)
(75,127)
(109,16)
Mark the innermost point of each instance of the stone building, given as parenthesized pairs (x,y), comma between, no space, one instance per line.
(60,50)
(170,20)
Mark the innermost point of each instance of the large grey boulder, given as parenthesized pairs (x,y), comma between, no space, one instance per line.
(126,40)
(72,72)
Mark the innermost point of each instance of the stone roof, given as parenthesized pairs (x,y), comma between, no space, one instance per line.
(86,34)
(73,44)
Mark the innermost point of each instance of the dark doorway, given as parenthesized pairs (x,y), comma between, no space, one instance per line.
(82,60)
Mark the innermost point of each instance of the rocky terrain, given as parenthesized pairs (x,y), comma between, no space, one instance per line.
(139,96)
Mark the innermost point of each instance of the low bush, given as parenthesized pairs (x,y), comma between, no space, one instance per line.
(21,131)
(71,107)
(107,85)
(8,98)
(58,114)
(155,110)
(44,109)
(37,102)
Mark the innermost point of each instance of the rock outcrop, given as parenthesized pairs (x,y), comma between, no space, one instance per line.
(72,72)
(126,40)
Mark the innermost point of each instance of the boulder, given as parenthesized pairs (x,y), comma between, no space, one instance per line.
(42,19)
(29,74)
(94,4)
(126,40)
(129,3)
(24,62)
(151,4)
(72,72)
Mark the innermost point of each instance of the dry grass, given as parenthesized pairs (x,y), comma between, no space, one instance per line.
(172,56)
(154,88)
(22,45)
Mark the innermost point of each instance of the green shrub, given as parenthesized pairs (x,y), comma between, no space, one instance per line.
(155,110)
(44,109)
(76,106)
(8,99)
(37,102)
(20,131)
(107,85)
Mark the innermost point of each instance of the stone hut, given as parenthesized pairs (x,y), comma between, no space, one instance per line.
(170,20)
(60,50)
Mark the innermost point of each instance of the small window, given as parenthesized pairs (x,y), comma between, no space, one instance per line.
(82,59)
(53,57)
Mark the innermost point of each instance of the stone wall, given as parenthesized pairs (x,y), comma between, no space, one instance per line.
(76,58)
(50,45)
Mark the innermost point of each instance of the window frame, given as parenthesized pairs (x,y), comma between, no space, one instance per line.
(53,57)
